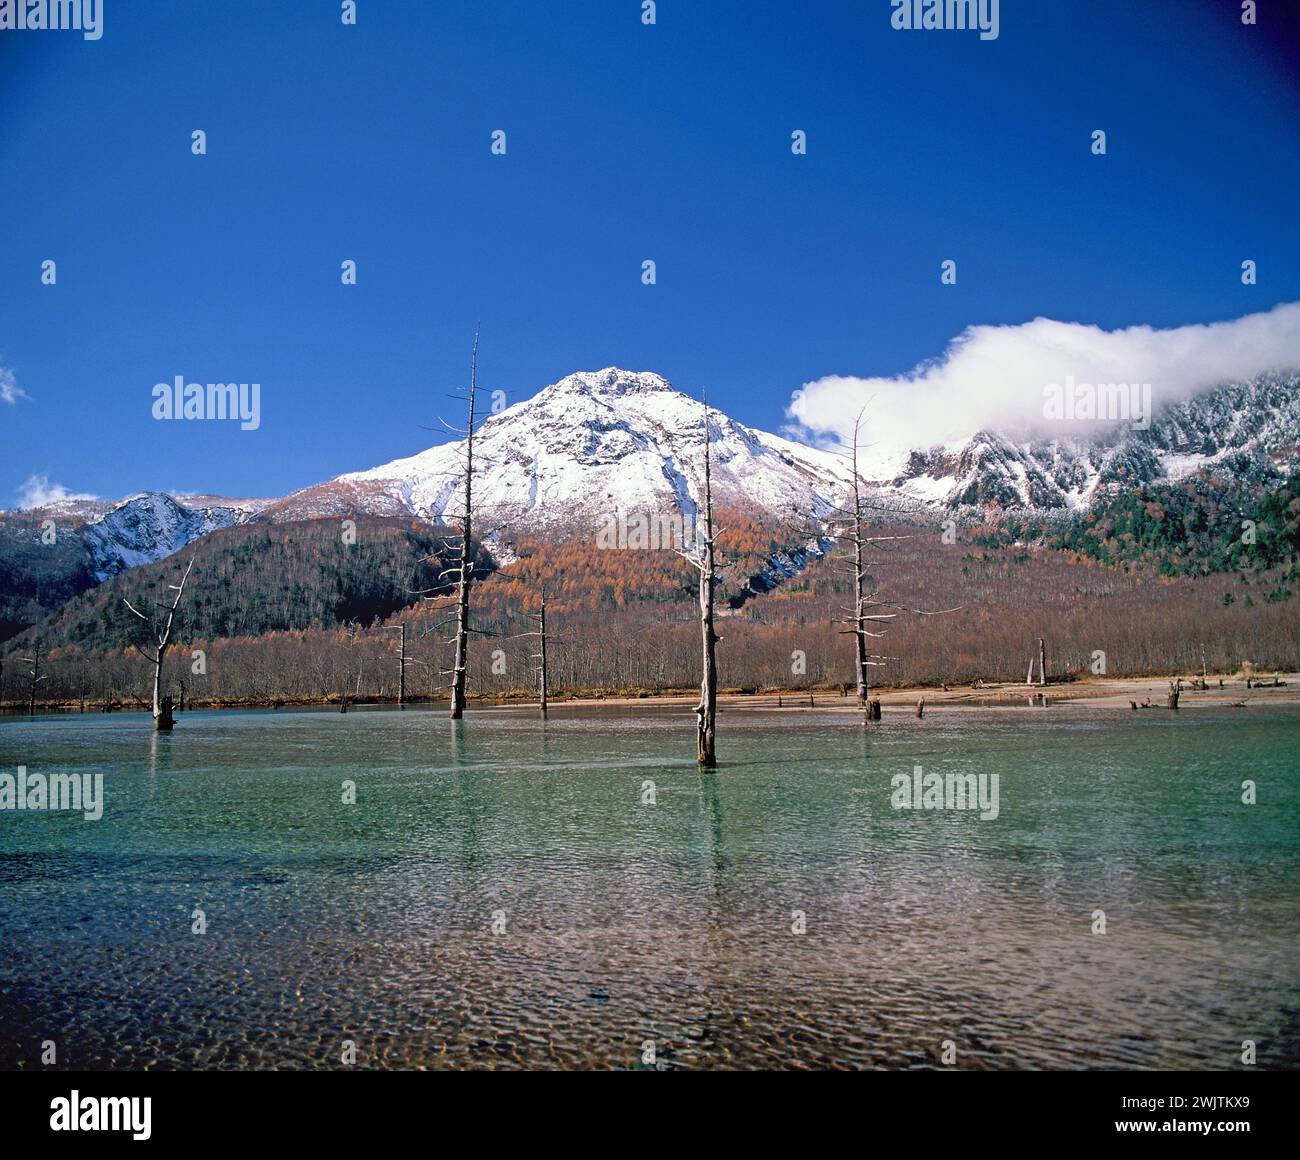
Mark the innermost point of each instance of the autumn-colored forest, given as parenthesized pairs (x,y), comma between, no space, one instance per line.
(625,620)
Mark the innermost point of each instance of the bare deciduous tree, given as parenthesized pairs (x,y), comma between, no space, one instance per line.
(161,633)
(865,614)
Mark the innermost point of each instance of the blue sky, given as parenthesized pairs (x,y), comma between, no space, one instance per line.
(625,143)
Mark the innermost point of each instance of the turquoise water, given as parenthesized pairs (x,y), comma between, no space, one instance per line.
(621,922)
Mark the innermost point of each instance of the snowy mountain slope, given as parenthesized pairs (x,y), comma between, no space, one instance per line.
(614,444)
(606,444)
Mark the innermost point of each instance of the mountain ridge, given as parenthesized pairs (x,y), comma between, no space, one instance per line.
(613,442)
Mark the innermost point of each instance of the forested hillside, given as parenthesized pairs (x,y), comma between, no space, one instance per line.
(260,578)
(1197,526)
(40,569)
(625,620)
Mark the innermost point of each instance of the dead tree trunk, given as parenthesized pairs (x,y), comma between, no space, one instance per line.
(861,615)
(707,710)
(402,661)
(541,655)
(850,527)
(539,618)
(401,667)
(162,639)
(861,652)
(34,677)
(1175,691)
(465,568)
(1042,662)
(703,557)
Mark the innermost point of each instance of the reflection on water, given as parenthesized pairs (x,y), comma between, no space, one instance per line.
(672,922)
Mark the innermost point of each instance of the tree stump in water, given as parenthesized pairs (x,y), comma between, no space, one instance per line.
(920,707)
(164,722)
(1175,689)
(873,710)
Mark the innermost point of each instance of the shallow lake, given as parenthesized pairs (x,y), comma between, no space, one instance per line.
(502,894)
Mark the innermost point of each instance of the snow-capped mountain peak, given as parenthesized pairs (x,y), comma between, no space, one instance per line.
(612,381)
(601,443)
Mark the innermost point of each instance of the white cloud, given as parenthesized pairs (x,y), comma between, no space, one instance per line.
(995,376)
(37,491)
(10,392)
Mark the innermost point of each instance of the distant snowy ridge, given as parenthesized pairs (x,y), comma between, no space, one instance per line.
(621,444)
(1244,430)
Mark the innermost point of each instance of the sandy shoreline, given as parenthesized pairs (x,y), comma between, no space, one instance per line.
(1101,692)
(1104,692)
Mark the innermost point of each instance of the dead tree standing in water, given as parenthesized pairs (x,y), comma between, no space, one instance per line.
(162,639)
(703,557)
(402,661)
(854,533)
(464,570)
(864,614)
(34,675)
(539,619)
(540,655)
(464,567)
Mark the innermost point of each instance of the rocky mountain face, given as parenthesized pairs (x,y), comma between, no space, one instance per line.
(151,526)
(1247,432)
(614,445)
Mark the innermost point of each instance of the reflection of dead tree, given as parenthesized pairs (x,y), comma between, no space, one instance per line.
(161,632)
(864,615)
